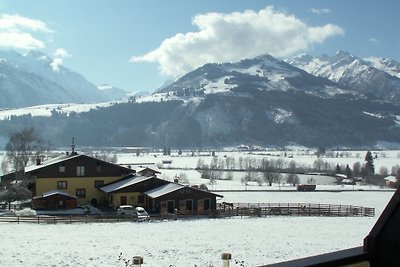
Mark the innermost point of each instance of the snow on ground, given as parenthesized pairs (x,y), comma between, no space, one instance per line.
(45,110)
(200,242)
(187,163)
(193,242)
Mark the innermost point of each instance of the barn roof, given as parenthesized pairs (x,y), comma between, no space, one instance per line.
(53,193)
(62,159)
(50,162)
(163,190)
(391,178)
(131,180)
(171,187)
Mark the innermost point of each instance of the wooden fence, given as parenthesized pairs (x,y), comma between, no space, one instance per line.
(224,210)
(295,209)
(41,219)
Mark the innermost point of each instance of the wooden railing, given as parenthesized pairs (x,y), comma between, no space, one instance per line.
(41,219)
(296,209)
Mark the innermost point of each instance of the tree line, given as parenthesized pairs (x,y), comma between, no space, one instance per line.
(275,170)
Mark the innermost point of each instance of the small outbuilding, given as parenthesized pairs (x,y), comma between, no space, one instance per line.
(173,197)
(55,199)
(390,181)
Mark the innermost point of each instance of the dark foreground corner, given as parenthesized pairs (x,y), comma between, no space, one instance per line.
(381,246)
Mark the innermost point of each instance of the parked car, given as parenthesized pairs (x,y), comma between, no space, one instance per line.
(140,214)
(125,210)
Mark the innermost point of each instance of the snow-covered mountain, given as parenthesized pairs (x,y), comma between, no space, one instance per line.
(259,101)
(112,92)
(385,64)
(34,79)
(353,73)
(261,73)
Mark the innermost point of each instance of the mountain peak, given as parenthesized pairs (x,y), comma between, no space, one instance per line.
(344,56)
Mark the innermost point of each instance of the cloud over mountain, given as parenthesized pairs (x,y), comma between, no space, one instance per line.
(230,37)
(19,32)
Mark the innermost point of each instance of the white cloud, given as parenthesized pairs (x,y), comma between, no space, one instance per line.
(231,37)
(373,40)
(16,32)
(58,59)
(320,11)
(61,53)
(20,40)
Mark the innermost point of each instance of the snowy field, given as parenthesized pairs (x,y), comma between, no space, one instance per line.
(200,242)
(197,242)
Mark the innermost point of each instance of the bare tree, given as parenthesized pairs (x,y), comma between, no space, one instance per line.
(318,164)
(292,178)
(292,166)
(357,169)
(383,171)
(268,171)
(24,147)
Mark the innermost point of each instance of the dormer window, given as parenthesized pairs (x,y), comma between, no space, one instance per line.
(80,170)
(99,168)
(62,169)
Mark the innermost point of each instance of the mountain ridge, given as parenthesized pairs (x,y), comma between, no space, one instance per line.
(33,79)
(261,101)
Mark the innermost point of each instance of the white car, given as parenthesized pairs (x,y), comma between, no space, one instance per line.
(125,210)
(141,214)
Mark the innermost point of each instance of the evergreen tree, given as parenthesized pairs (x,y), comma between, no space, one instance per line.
(348,172)
(369,165)
(338,170)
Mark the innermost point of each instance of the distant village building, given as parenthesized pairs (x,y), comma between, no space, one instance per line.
(390,181)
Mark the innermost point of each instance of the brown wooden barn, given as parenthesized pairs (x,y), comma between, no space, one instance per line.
(53,200)
(183,199)
(160,196)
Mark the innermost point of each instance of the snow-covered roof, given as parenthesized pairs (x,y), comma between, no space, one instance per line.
(391,178)
(163,190)
(54,192)
(131,180)
(138,167)
(152,167)
(50,162)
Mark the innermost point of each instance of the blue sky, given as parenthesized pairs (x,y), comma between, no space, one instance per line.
(136,45)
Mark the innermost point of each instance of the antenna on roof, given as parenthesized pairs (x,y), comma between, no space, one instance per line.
(73,145)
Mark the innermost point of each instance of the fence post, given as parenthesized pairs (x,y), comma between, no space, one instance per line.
(226,257)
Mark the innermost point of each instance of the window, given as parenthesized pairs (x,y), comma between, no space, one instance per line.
(62,185)
(98,183)
(99,168)
(62,169)
(81,192)
(206,204)
(123,200)
(80,170)
(141,199)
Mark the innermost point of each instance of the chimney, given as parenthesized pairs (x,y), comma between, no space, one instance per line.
(38,162)
(73,146)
